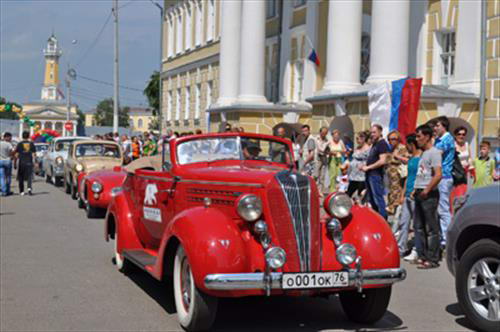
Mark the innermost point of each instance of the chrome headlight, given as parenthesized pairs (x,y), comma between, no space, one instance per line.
(59,160)
(339,205)
(96,187)
(249,207)
(346,254)
(275,257)
(335,228)
(78,167)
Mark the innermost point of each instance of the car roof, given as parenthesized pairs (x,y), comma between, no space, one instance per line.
(93,141)
(71,138)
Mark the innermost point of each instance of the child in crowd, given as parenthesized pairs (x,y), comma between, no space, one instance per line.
(484,166)
(343,178)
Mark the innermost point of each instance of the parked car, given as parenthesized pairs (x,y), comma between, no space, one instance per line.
(96,188)
(41,150)
(473,255)
(53,161)
(229,216)
(85,157)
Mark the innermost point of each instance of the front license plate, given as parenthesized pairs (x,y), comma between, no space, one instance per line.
(315,280)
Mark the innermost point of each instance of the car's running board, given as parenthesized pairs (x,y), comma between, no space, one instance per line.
(139,258)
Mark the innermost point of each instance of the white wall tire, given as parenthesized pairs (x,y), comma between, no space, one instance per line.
(121,263)
(196,311)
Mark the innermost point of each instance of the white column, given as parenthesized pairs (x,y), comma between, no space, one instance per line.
(389,40)
(343,45)
(253,43)
(63,129)
(468,51)
(229,52)
(21,128)
(74,127)
(31,131)
(42,124)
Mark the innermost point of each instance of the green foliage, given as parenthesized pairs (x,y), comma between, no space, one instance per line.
(151,92)
(81,117)
(7,112)
(104,114)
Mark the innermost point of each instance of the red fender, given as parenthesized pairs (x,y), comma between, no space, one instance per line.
(119,209)
(212,241)
(371,236)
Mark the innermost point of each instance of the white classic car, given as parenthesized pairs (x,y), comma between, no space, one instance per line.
(53,161)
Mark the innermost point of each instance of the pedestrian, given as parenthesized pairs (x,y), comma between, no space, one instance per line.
(396,170)
(359,157)
(408,203)
(322,150)
(127,149)
(484,166)
(136,148)
(445,143)
(374,170)
(149,147)
(279,152)
(427,199)
(308,152)
(337,153)
(343,178)
(25,154)
(6,154)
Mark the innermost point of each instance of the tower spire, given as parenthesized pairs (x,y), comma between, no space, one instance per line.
(52,53)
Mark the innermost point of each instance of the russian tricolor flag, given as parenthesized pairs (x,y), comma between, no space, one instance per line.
(405,101)
(313,57)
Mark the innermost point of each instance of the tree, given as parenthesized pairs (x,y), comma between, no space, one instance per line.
(7,114)
(151,92)
(104,114)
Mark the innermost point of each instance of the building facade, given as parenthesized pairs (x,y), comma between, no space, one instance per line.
(246,62)
(51,112)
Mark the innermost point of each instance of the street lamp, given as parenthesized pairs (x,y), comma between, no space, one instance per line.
(160,115)
(70,75)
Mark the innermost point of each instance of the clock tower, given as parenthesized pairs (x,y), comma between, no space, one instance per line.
(52,54)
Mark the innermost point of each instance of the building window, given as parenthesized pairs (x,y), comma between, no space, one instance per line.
(178,47)
(211,21)
(189,26)
(139,123)
(187,102)
(298,3)
(197,108)
(209,94)
(271,8)
(170,106)
(178,106)
(170,42)
(199,22)
(364,70)
(447,56)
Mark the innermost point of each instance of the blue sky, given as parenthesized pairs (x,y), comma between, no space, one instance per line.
(26,25)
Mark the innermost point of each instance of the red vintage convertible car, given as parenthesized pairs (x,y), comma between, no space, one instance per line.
(229,216)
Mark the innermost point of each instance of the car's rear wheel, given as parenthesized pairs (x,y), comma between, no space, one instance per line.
(94,212)
(47,177)
(56,181)
(196,311)
(478,284)
(366,307)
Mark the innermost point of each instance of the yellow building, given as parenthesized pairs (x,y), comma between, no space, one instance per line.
(140,118)
(246,62)
(51,112)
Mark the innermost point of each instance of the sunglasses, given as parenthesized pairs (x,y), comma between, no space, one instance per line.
(461,134)
(393,139)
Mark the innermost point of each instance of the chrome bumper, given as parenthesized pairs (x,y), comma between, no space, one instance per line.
(237,281)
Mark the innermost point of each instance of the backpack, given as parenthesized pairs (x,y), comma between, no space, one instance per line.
(458,172)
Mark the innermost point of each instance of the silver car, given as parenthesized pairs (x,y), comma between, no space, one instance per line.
(53,161)
(473,255)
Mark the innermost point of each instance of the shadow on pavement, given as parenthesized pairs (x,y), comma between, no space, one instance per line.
(270,314)
(40,193)
(7,213)
(456,311)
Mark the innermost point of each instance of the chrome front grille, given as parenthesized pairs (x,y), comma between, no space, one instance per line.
(297,191)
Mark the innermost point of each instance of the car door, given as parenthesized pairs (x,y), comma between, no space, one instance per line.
(154,204)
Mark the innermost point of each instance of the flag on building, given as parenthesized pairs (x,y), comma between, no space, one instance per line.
(313,57)
(405,103)
(379,106)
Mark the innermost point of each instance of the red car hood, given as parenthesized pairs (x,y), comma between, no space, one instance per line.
(108,177)
(244,173)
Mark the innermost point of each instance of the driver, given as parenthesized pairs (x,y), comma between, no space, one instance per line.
(251,151)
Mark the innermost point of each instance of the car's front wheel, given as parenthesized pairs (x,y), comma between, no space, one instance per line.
(195,310)
(122,264)
(74,191)
(366,307)
(67,187)
(478,284)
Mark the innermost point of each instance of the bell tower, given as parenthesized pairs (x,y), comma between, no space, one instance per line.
(52,54)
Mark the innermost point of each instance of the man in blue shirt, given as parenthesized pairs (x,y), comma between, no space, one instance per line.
(445,143)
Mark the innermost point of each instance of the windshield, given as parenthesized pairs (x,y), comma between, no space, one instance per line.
(63,145)
(97,150)
(233,148)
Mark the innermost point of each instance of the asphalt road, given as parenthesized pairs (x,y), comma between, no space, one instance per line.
(57,274)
